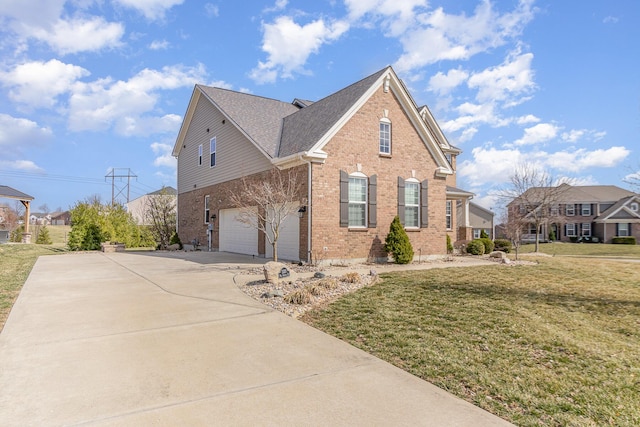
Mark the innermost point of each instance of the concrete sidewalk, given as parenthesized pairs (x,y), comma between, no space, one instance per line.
(156,339)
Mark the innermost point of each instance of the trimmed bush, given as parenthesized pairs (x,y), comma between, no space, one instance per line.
(630,240)
(397,243)
(483,234)
(175,240)
(503,245)
(449,245)
(488,244)
(475,247)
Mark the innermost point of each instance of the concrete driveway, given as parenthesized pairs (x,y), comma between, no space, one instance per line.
(169,339)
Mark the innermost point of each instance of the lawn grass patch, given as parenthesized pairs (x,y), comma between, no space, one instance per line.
(16,262)
(585,249)
(556,343)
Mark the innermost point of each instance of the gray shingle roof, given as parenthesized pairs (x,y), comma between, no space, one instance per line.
(164,190)
(12,193)
(260,118)
(303,129)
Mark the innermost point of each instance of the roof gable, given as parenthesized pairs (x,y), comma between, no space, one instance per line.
(621,210)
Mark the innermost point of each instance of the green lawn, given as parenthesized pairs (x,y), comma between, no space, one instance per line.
(586,249)
(556,343)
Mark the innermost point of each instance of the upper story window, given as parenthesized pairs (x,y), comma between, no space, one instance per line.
(586,209)
(212,151)
(385,136)
(449,157)
(200,155)
(357,200)
(634,206)
(570,210)
(412,203)
(207,210)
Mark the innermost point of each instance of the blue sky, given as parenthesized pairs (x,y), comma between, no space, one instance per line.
(91,85)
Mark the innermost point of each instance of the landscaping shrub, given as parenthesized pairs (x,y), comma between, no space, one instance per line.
(175,240)
(630,240)
(461,246)
(351,277)
(449,245)
(43,236)
(299,296)
(397,243)
(503,245)
(483,234)
(475,247)
(488,244)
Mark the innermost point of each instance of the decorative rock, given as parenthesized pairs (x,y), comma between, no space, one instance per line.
(319,275)
(506,261)
(273,293)
(174,247)
(272,271)
(498,254)
(372,272)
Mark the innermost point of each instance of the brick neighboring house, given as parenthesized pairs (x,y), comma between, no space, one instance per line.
(367,152)
(591,212)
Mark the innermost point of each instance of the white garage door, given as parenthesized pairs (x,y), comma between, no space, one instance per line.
(288,241)
(235,236)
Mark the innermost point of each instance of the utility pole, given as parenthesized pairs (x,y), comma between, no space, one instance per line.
(120,173)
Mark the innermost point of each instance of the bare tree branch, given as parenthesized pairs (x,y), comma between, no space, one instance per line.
(160,215)
(266,204)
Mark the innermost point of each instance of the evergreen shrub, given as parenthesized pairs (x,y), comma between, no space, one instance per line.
(503,245)
(475,247)
(397,243)
(630,240)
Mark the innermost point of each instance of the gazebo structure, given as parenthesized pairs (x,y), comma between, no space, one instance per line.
(25,199)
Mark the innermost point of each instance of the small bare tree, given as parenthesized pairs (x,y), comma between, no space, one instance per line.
(533,198)
(265,204)
(513,224)
(160,215)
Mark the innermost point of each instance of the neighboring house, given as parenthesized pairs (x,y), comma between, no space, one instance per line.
(367,152)
(138,207)
(61,218)
(591,212)
(480,219)
(38,218)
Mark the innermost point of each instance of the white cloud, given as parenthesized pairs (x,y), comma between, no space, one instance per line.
(21,165)
(38,84)
(573,135)
(288,45)
(440,36)
(159,45)
(539,133)
(396,15)
(279,5)
(444,83)
(24,11)
(16,134)
(212,10)
(126,105)
(512,78)
(79,35)
(490,165)
(611,20)
(579,160)
(163,155)
(472,115)
(151,9)
(528,119)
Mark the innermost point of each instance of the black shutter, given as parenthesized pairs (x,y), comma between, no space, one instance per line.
(373,201)
(344,199)
(401,199)
(424,204)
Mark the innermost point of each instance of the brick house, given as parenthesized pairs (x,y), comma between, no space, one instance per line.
(367,152)
(480,219)
(587,213)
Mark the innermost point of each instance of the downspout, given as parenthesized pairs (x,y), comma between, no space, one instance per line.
(309,209)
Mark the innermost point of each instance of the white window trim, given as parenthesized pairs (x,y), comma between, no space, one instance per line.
(449,215)
(207,209)
(213,152)
(571,230)
(572,211)
(476,233)
(626,230)
(585,207)
(585,229)
(633,206)
(417,205)
(388,123)
(200,155)
(361,176)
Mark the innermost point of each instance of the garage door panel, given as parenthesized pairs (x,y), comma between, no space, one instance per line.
(288,240)
(235,236)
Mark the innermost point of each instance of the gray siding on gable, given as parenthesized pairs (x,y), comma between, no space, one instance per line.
(236,156)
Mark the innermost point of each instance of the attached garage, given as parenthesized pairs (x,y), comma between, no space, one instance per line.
(235,236)
(288,241)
